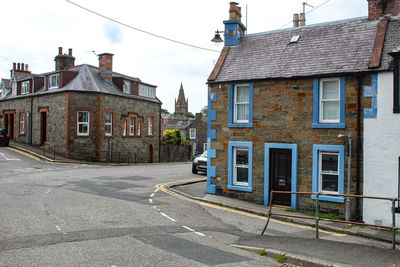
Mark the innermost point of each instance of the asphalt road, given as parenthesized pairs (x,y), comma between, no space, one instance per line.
(74,215)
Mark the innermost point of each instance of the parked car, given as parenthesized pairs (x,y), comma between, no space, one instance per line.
(200,163)
(4,138)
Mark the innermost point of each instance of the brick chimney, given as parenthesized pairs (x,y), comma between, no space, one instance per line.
(379,8)
(234,29)
(105,67)
(64,61)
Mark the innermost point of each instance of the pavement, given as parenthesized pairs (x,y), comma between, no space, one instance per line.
(298,251)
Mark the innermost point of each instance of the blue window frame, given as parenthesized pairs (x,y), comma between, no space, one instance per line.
(241,105)
(329,103)
(328,171)
(240,166)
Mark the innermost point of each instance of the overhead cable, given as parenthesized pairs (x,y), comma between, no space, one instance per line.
(140,30)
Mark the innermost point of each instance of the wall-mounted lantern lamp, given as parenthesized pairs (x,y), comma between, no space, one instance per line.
(217,37)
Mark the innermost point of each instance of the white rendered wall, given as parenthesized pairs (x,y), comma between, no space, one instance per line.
(381,155)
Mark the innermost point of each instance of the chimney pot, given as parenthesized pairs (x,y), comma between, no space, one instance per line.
(302,19)
(60,51)
(234,11)
(26,67)
(18,66)
(70,52)
(295,20)
(14,66)
(22,66)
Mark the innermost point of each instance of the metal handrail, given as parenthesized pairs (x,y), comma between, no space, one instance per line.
(317,218)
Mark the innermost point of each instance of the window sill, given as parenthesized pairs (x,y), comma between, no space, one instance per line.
(329,198)
(83,135)
(329,125)
(240,125)
(240,188)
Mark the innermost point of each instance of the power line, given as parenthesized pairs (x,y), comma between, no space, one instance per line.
(308,12)
(140,30)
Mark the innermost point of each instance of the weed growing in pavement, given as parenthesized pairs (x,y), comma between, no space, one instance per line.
(281,258)
(262,252)
(290,210)
(324,215)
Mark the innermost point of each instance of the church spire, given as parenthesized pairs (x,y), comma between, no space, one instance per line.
(181,105)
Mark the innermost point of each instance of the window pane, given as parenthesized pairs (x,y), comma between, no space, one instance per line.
(330,182)
(330,163)
(242,157)
(242,175)
(242,94)
(83,128)
(108,117)
(331,110)
(242,112)
(330,90)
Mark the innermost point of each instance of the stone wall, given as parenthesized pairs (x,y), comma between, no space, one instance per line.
(62,109)
(175,153)
(282,113)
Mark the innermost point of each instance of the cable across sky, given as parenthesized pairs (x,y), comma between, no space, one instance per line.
(140,30)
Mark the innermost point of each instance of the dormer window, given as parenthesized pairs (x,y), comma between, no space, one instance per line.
(54,81)
(147,91)
(127,87)
(25,88)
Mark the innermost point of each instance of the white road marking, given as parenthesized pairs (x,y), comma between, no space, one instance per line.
(155,191)
(152,195)
(200,234)
(151,201)
(155,207)
(188,228)
(4,156)
(191,230)
(166,216)
(48,191)
(58,227)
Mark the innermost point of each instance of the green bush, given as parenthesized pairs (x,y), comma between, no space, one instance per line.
(175,136)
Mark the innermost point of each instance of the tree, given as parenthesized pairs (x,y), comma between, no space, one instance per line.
(164,111)
(188,115)
(204,110)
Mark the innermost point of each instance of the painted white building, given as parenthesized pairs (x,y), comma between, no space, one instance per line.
(382,145)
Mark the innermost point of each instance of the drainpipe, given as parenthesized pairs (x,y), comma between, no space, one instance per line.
(30,123)
(159,135)
(358,150)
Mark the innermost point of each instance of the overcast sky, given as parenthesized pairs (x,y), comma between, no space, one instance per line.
(32,31)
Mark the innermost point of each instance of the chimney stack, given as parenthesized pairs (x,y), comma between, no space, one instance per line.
(295,20)
(105,67)
(22,67)
(64,61)
(18,66)
(379,8)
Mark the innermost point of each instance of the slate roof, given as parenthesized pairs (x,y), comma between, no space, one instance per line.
(88,80)
(323,49)
(6,83)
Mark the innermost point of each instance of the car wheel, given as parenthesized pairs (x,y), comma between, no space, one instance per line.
(194,171)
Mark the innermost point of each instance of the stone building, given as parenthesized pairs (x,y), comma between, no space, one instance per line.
(83,109)
(280,102)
